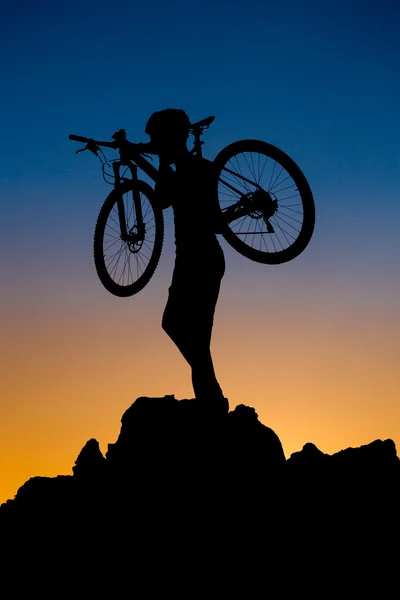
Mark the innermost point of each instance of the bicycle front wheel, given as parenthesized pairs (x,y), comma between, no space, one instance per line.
(266,202)
(125,264)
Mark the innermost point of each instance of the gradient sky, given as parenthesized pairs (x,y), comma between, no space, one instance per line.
(312,344)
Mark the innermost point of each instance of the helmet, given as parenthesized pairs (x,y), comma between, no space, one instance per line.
(169,122)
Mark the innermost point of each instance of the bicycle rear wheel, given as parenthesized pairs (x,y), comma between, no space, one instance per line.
(266,202)
(126,266)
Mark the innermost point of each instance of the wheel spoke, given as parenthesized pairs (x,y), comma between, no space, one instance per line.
(270,189)
(259,178)
(125,265)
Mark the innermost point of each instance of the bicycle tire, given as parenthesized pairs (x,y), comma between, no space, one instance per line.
(291,224)
(113,256)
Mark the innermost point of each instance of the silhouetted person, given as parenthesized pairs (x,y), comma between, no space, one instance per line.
(199,264)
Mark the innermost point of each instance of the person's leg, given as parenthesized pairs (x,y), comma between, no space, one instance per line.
(191,330)
(204,380)
(174,326)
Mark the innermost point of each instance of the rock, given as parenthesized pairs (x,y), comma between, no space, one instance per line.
(180,488)
(90,462)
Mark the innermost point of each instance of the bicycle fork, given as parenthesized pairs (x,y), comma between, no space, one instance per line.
(138,231)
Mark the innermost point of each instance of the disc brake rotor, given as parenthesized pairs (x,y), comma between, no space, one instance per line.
(134,242)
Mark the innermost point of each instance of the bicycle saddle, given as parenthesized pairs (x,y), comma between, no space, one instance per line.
(202,124)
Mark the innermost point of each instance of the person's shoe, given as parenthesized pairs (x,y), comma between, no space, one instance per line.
(213,407)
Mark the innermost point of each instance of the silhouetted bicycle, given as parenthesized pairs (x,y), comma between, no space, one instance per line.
(266,202)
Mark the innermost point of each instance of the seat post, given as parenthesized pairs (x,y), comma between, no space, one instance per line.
(197,144)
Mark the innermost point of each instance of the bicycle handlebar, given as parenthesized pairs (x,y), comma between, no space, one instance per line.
(78,138)
(85,140)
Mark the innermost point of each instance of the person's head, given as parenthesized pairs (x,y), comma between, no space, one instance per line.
(169,130)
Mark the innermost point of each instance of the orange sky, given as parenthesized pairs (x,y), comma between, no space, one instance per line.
(316,358)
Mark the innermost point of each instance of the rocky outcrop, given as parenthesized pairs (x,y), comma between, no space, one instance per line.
(187,485)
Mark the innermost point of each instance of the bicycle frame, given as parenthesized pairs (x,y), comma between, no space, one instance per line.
(139,161)
(231,213)
(255,198)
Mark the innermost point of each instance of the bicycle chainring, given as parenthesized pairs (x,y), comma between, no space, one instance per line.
(263,205)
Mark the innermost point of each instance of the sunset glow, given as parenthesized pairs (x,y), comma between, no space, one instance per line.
(314,344)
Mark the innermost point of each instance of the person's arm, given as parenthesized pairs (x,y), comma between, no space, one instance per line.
(129,149)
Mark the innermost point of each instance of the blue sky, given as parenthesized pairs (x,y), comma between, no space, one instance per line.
(319,81)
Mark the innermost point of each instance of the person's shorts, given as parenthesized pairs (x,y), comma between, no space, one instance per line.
(194,291)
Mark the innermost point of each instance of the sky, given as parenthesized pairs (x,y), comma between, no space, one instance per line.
(313,344)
